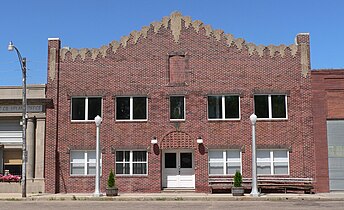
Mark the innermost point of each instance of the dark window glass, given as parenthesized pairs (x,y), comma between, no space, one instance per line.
(94,107)
(170,160)
(261,107)
(139,168)
(177,107)
(122,168)
(232,106)
(123,108)
(122,162)
(278,106)
(139,108)
(139,156)
(78,108)
(186,160)
(214,107)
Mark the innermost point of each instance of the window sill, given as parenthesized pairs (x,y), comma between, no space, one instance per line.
(82,121)
(224,120)
(272,119)
(132,176)
(83,176)
(131,121)
(177,120)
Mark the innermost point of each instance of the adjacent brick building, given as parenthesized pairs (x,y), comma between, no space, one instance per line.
(328,114)
(177,82)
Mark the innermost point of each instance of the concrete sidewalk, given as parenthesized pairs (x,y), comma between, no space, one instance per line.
(338,196)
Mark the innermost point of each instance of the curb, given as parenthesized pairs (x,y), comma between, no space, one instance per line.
(71,197)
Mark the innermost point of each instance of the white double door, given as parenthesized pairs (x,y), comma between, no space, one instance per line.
(178,169)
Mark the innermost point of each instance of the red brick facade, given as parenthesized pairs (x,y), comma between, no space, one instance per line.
(139,65)
(328,103)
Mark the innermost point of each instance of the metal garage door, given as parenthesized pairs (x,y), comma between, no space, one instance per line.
(335,140)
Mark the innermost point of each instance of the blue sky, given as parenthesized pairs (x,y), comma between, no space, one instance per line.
(93,23)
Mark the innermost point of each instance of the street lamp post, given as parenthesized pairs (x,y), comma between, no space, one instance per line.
(22,61)
(254,191)
(98,121)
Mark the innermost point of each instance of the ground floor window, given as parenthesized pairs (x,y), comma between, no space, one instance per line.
(12,161)
(224,162)
(131,162)
(272,162)
(83,162)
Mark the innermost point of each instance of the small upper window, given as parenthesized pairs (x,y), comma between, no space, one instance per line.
(270,106)
(86,108)
(177,108)
(131,108)
(223,107)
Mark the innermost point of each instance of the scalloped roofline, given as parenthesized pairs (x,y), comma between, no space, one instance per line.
(174,22)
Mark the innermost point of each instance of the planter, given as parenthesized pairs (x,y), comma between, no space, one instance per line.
(237,191)
(112,191)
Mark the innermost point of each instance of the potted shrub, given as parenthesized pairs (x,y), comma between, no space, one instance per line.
(237,189)
(111,189)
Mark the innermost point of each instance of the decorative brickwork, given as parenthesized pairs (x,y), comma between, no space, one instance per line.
(137,65)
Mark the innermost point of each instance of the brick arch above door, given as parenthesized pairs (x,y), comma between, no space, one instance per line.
(177,140)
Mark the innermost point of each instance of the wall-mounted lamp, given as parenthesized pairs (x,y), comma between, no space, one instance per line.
(154,140)
(199,140)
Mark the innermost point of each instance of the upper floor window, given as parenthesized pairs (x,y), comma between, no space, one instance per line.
(83,162)
(270,106)
(177,108)
(223,107)
(86,108)
(131,108)
(131,162)
(272,162)
(224,162)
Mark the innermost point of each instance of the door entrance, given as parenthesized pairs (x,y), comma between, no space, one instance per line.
(178,169)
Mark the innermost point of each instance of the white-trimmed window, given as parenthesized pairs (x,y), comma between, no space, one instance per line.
(270,106)
(131,162)
(224,107)
(131,108)
(224,162)
(177,108)
(85,108)
(272,162)
(83,162)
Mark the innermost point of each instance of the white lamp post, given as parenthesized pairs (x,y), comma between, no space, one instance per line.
(98,121)
(254,191)
(22,61)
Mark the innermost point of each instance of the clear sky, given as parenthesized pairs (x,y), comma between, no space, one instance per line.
(93,23)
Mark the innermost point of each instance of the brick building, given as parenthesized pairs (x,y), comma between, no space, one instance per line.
(177,82)
(328,114)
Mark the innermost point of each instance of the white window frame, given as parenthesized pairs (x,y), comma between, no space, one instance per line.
(86,108)
(131,109)
(223,101)
(271,161)
(84,162)
(224,161)
(270,106)
(184,117)
(131,162)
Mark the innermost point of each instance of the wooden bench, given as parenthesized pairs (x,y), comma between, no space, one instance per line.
(263,183)
(285,184)
(226,183)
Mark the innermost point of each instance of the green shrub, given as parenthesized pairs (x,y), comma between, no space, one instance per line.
(237,179)
(111,180)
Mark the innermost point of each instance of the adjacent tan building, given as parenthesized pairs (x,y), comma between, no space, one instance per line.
(11,136)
